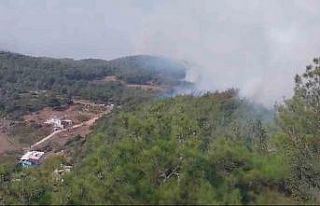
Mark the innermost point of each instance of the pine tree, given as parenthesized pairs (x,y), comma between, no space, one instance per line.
(300,121)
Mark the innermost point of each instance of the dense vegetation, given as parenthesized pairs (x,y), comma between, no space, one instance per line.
(183,150)
(143,69)
(214,148)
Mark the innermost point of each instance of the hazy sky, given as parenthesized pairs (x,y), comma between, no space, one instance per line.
(255,45)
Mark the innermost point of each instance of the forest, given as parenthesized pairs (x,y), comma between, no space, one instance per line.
(216,148)
(28,84)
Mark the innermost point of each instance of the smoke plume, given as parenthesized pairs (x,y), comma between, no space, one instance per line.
(256,46)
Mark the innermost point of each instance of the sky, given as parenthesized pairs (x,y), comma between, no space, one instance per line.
(254,45)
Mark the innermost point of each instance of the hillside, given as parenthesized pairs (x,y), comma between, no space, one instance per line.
(159,70)
(178,150)
(184,150)
(50,82)
(37,86)
(213,148)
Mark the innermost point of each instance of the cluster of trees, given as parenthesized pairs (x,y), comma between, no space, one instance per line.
(142,69)
(29,83)
(184,150)
(215,148)
(299,119)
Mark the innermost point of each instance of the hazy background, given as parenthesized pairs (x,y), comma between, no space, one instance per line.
(255,45)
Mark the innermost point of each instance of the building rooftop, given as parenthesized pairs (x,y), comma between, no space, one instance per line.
(34,155)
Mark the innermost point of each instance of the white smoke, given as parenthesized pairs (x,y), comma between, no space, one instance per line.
(254,45)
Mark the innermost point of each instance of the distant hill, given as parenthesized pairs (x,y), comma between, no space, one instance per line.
(156,63)
(165,70)
(65,77)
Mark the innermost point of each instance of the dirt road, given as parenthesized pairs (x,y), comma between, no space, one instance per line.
(90,122)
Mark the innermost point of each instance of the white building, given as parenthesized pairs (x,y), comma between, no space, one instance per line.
(34,155)
(56,122)
(31,158)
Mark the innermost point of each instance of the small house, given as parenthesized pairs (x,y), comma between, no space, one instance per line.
(56,122)
(31,158)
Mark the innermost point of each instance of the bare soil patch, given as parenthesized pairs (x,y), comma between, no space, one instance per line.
(108,79)
(149,86)
(81,127)
(32,133)
(75,112)
(15,135)
(146,87)
(5,144)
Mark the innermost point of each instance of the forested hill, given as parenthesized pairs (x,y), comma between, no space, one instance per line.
(156,67)
(148,67)
(30,83)
(214,148)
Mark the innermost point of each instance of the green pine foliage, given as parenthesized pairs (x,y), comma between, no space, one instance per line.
(299,119)
(182,151)
(211,149)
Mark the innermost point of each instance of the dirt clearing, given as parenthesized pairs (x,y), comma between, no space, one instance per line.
(149,86)
(76,112)
(80,126)
(5,144)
